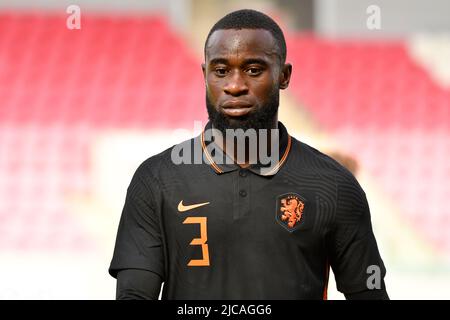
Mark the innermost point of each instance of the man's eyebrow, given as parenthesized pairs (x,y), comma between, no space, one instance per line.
(246,61)
(218,61)
(255,61)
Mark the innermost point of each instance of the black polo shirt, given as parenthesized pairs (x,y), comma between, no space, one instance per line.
(216,231)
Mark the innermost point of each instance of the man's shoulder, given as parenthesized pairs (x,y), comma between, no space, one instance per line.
(162,162)
(317,159)
(347,187)
(323,164)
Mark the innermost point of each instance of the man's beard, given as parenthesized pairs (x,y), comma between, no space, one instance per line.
(260,118)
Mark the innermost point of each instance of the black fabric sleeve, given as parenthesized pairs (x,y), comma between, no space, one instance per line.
(139,242)
(375,294)
(134,284)
(353,250)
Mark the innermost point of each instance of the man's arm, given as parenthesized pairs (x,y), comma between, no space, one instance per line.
(138,259)
(376,294)
(353,249)
(136,284)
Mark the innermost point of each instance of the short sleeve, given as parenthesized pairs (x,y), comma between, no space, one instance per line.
(352,245)
(139,242)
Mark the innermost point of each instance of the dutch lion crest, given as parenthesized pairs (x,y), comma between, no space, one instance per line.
(290,210)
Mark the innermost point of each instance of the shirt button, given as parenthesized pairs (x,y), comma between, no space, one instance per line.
(243,173)
(243,193)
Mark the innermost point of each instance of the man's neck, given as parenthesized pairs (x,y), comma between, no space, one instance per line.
(249,158)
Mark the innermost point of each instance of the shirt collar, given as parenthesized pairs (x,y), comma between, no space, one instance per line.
(212,152)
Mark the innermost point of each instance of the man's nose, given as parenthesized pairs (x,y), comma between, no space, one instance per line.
(236,85)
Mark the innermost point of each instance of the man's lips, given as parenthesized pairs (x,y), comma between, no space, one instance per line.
(236,108)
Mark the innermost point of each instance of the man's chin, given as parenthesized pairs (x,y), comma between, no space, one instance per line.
(257,119)
(236,123)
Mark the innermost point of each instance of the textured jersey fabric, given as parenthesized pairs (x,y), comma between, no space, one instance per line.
(251,236)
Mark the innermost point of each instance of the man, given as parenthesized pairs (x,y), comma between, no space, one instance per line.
(235,226)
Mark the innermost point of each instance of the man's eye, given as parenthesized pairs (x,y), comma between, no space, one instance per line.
(220,71)
(254,71)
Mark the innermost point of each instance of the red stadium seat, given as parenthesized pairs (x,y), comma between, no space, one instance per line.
(387,111)
(56,87)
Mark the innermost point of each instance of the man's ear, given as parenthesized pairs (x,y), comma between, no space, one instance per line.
(204,71)
(285,75)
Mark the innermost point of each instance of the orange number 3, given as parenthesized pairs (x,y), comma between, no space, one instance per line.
(199,241)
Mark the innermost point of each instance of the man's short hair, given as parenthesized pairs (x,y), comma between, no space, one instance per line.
(251,19)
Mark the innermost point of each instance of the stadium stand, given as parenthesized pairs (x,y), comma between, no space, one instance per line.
(58,87)
(387,111)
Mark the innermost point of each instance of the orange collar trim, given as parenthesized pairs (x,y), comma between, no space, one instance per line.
(283,159)
(211,161)
(272,171)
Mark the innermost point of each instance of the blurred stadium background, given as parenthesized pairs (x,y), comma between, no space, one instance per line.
(81,109)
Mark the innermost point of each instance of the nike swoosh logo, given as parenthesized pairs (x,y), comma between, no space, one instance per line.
(183,208)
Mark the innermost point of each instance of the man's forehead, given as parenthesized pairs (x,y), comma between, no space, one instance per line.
(250,41)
